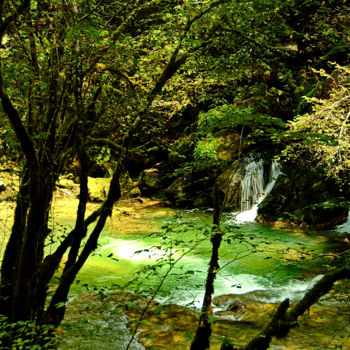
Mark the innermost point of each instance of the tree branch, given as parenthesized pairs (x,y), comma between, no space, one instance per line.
(115,35)
(18,127)
(106,142)
(13,16)
(284,320)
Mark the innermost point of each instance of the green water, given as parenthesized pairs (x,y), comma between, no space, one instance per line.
(277,262)
(136,250)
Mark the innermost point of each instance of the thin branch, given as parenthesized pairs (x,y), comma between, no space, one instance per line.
(92,11)
(18,127)
(106,142)
(24,5)
(330,255)
(341,132)
(201,339)
(172,265)
(134,13)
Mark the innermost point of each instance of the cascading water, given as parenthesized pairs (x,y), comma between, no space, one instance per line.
(345,227)
(253,187)
(252,184)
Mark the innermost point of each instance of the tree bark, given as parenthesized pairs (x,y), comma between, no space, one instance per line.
(201,340)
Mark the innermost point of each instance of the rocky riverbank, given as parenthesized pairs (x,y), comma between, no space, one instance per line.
(98,321)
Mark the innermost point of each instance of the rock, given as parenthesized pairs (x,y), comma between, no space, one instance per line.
(98,188)
(67,187)
(176,190)
(126,183)
(129,187)
(228,144)
(133,193)
(229,184)
(342,242)
(243,308)
(173,327)
(303,197)
(150,181)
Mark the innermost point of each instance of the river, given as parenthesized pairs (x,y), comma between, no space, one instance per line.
(143,242)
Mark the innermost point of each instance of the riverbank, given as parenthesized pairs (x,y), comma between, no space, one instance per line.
(102,321)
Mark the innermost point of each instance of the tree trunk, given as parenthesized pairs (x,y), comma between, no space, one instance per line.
(20,289)
(9,269)
(201,340)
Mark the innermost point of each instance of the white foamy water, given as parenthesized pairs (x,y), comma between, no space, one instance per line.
(345,227)
(253,189)
(135,251)
(261,289)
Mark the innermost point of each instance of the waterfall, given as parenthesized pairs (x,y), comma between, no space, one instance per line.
(252,184)
(344,227)
(253,187)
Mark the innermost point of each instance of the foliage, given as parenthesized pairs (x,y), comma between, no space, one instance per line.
(26,335)
(75,69)
(323,135)
(230,117)
(205,153)
(68,65)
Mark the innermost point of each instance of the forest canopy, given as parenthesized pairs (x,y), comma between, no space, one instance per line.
(185,89)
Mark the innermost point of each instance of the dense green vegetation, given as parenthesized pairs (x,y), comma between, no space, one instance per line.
(186,88)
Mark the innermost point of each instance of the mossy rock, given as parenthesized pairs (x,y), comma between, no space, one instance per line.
(304,197)
(133,193)
(229,184)
(150,181)
(98,188)
(66,186)
(228,145)
(176,189)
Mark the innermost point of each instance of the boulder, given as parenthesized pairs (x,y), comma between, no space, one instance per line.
(150,181)
(243,308)
(175,191)
(98,188)
(129,187)
(133,193)
(304,197)
(66,186)
(229,184)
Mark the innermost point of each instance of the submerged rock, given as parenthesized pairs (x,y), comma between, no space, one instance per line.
(98,319)
(243,308)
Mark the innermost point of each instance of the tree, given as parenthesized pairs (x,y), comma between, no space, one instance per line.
(81,73)
(323,135)
(73,66)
